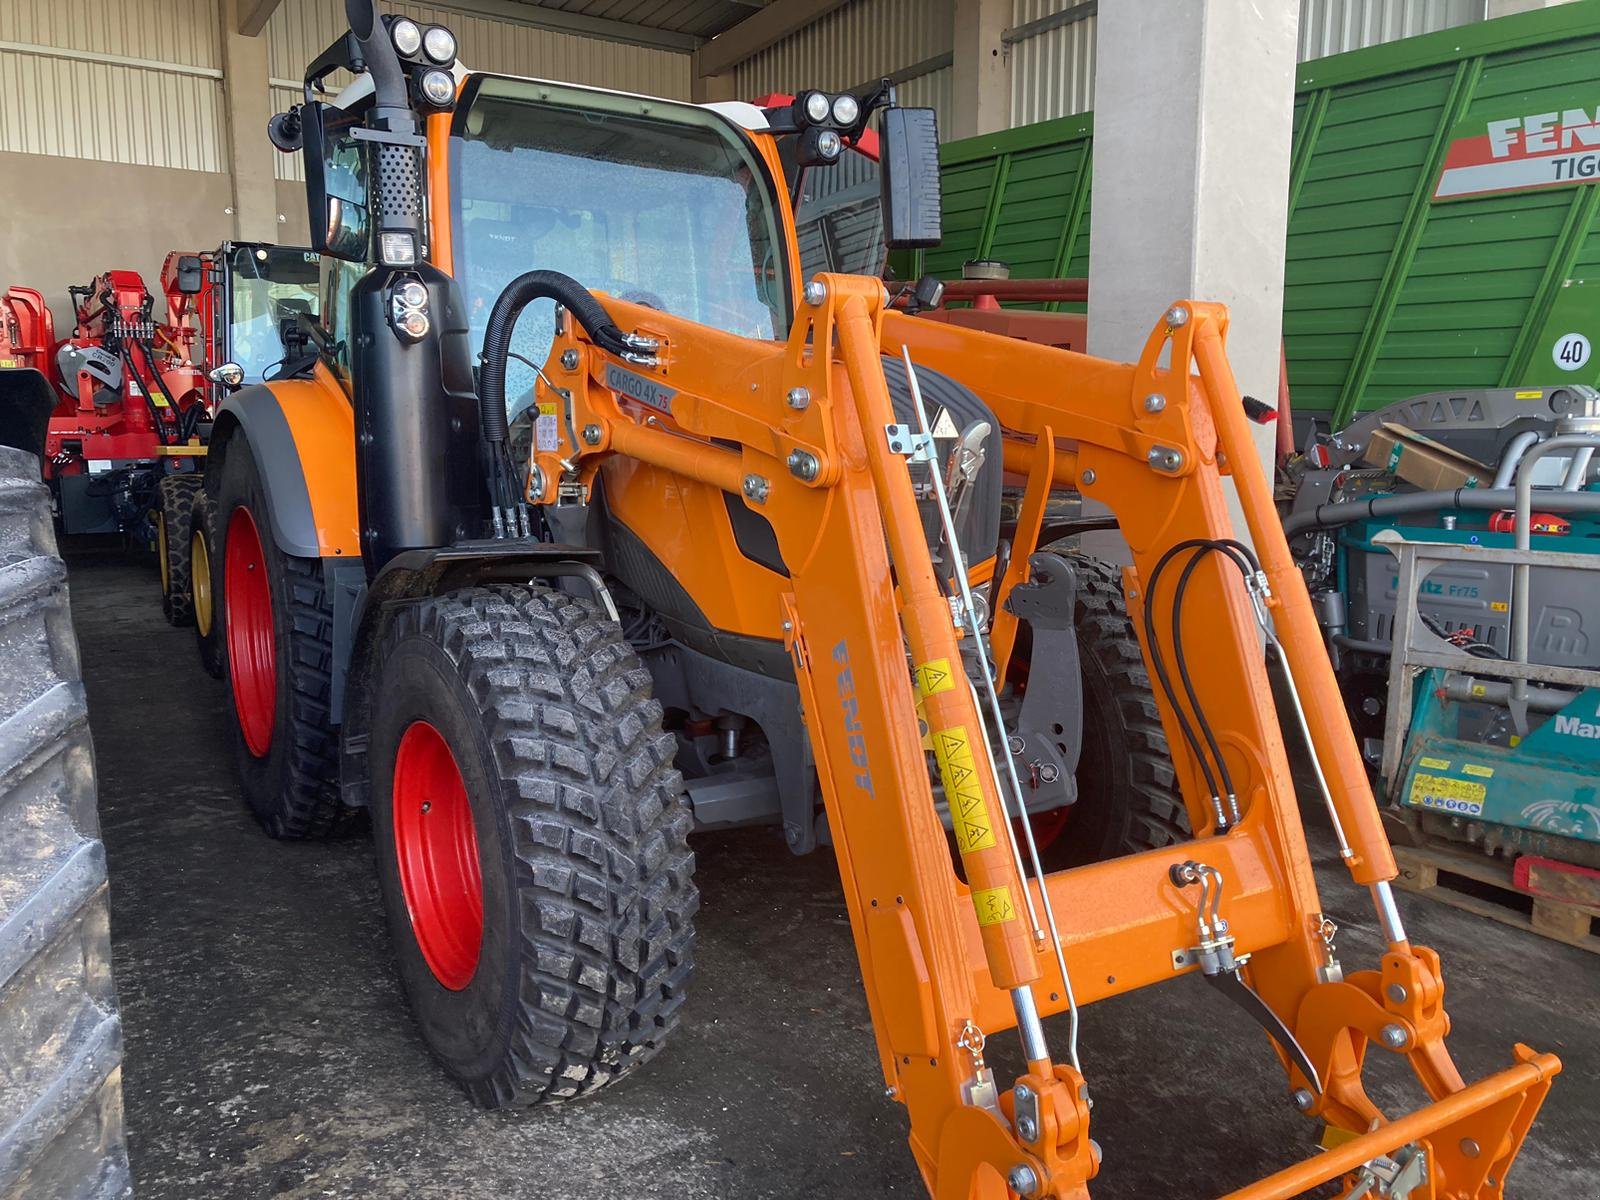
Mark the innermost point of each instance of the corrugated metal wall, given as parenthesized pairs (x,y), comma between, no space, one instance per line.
(857,43)
(302,29)
(1052,72)
(1334,26)
(126,81)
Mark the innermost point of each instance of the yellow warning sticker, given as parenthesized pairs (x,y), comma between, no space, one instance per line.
(1435,764)
(969,815)
(8,363)
(1481,772)
(1530,395)
(1479,689)
(932,677)
(1438,792)
(1499,606)
(994,905)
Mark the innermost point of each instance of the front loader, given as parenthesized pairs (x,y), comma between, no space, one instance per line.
(759,519)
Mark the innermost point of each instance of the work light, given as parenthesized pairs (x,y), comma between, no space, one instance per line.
(439,44)
(817,108)
(438,87)
(407,36)
(846,109)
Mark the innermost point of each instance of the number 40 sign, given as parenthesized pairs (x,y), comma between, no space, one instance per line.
(1571,351)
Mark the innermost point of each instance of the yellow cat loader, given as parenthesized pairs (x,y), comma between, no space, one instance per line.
(756,534)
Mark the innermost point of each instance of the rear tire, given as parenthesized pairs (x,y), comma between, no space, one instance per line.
(532,842)
(1128,794)
(209,638)
(175,496)
(278,625)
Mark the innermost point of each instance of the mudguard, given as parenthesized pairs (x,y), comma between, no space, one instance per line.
(26,401)
(302,433)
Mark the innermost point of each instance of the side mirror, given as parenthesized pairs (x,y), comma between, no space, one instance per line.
(908,167)
(336,184)
(229,375)
(191,275)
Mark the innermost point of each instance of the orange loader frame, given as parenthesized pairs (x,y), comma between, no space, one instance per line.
(947,961)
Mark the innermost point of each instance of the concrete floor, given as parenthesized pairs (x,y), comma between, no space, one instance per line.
(269,1052)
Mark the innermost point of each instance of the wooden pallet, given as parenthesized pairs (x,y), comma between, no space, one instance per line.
(1438,874)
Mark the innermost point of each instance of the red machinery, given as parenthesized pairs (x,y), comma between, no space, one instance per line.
(130,396)
(27,369)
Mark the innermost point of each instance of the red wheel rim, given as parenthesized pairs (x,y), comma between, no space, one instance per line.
(252,652)
(437,850)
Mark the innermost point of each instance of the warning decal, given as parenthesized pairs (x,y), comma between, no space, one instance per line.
(994,905)
(1447,795)
(933,676)
(968,813)
(546,433)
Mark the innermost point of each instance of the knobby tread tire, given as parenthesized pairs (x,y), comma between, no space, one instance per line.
(1150,795)
(61,1127)
(294,789)
(213,646)
(175,496)
(310,807)
(586,812)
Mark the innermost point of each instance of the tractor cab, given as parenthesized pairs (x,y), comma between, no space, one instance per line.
(686,208)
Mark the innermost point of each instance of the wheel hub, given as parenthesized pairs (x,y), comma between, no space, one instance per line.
(436,848)
(252,651)
(200,582)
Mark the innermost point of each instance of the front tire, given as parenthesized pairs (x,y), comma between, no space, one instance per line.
(278,628)
(1128,794)
(532,842)
(203,578)
(175,496)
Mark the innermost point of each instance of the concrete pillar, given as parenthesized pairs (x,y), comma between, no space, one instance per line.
(981,71)
(247,102)
(1192,116)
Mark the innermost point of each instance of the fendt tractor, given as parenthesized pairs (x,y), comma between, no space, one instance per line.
(754,568)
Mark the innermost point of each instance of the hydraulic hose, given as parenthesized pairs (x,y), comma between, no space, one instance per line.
(1325,516)
(149,400)
(519,293)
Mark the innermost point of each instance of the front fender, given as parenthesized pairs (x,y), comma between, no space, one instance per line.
(302,434)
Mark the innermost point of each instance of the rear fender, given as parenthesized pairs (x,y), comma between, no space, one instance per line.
(302,434)
(26,401)
(414,575)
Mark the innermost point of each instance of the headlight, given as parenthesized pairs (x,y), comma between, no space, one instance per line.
(817,108)
(846,109)
(829,144)
(439,44)
(407,36)
(398,249)
(414,325)
(412,294)
(438,87)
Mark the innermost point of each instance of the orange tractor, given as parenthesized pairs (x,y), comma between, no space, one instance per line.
(753,567)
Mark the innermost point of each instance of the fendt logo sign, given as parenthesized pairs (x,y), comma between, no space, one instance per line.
(1521,153)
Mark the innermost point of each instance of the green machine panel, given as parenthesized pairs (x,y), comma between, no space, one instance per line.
(1444,226)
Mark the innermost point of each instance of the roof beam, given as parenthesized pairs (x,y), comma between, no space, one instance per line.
(760,30)
(254,15)
(574,23)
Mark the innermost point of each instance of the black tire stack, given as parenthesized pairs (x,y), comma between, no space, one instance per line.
(61,1130)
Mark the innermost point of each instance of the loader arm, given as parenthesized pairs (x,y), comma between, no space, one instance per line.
(949,960)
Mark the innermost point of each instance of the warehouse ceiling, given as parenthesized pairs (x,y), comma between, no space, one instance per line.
(696,18)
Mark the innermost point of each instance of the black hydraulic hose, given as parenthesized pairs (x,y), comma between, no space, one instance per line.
(1326,516)
(149,400)
(519,293)
(172,405)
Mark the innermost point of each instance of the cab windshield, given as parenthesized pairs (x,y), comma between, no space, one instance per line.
(267,286)
(663,204)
